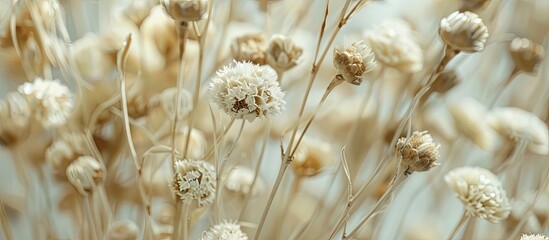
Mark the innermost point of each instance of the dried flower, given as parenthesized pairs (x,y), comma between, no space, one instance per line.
(225,231)
(481,193)
(472,5)
(470,119)
(533,236)
(419,153)
(395,48)
(197,143)
(464,31)
(250,47)
(516,124)
(194,180)
(282,54)
(166,100)
(247,91)
(84,174)
(186,10)
(312,157)
(445,81)
(526,54)
(65,149)
(15,118)
(354,61)
(123,230)
(51,101)
(240,179)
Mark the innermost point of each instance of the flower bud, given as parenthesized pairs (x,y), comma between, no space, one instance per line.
(419,153)
(526,54)
(464,31)
(250,47)
(282,54)
(84,174)
(354,61)
(186,10)
(15,115)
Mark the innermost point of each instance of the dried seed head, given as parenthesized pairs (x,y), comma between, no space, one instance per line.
(445,81)
(472,5)
(186,10)
(194,180)
(247,91)
(166,100)
(480,192)
(516,124)
(64,150)
(84,174)
(418,153)
(533,236)
(197,143)
(123,230)
(250,47)
(526,54)
(15,118)
(312,157)
(395,48)
(224,231)
(282,54)
(470,119)
(52,102)
(240,179)
(354,61)
(464,31)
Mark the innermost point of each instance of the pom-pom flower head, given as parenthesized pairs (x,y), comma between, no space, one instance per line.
(225,231)
(247,91)
(354,61)
(480,192)
(464,31)
(533,237)
(194,180)
(418,152)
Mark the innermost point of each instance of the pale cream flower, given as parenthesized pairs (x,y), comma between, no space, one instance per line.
(395,48)
(480,192)
(240,179)
(225,231)
(166,100)
(64,150)
(526,54)
(249,47)
(85,173)
(123,230)
(533,236)
(282,54)
(419,153)
(194,180)
(198,144)
(186,10)
(354,61)
(470,119)
(464,31)
(312,157)
(516,124)
(51,101)
(15,118)
(247,91)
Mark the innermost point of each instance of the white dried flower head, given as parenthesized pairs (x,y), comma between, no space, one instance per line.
(64,150)
(533,236)
(312,157)
(186,10)
(419,153)
(166,100)
(123,230)
(395,48)
(480,192)
(516,124)
(250,47)
(85,173)
(240,179)
(464,31)
(225,231)
(247,91)
(15,118)
(198,144)
(194,180)
(51,101)
(282,54)
(354,61)
(470,119)
(526,54)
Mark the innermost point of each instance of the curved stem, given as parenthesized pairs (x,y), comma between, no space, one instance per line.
(5,223)
(462,221)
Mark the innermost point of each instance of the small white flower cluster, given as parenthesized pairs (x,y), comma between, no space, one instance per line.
(194,180)
(225,231)
(480,192)
(247,91)
(533,237)
(464,31)
(353,61)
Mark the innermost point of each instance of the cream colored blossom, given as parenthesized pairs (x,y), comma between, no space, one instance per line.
(247,91)
(312,157)
(225,231)
(464,31)
(419,153)
(526,54)
(480,192)
(123,230)
(516,124)
(51,101)
(533,236)
(249,47)
(354,61)
(166,100)
(15,118)
(470,119)
(65,149)
(194,180)
(282,54)
(186,10)
(85,173)
(240,179)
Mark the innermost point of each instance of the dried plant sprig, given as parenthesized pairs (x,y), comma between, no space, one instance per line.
(225,231)
(15,115)
(247,91)
(464,31)
(353,61)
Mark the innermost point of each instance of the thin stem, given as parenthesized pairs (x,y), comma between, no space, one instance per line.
(178,219)
(89,214)
(463,219)
(5,223)
(217,139)
(187,220)
(296,185)
(183,33)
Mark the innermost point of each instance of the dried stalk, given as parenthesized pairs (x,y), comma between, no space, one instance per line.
(463,219)
(5,223)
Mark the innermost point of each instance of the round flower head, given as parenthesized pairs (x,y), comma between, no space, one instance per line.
(225,231)
(166,100)
(395,48)
(515,124)
(419,153)
(354,61)
(52,102)
(194,180)
(480,192)
(533,237)
(123,230)
(312,157)
(64,150)
(282,54)
(250,47)
(186,10)
(247,91)
(470,119)
(84,173)
(526,54)
(15,117)
(240,179)
(464,31)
